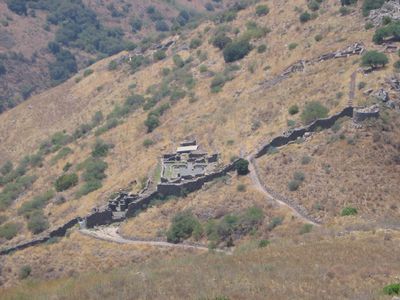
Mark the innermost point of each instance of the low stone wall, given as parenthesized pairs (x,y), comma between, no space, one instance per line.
(98,218)
(140,204)
(299,132)
(362,114)
(58,232)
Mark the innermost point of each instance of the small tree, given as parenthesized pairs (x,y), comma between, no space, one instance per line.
(236,50)
(294,109)
(305,17)
(221,40)
(242,166)
(374,59)
(184,224)
(312,111)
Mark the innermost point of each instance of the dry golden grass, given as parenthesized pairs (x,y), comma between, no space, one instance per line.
(352,167)
(356,266)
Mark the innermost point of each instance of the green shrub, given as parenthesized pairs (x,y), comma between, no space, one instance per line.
(392,289)
(299,176)
(318,37)
(221,41)
(344,11)
(66,181)
(147,143)
(262,48)
(374,59)
(12,190)
(94,169)
(87,72)
(100,148)
(262,10)
(6,168)
(88,187)
(37,222)
(9,230)
(263,243)
(178,61)
(195,43)
(306,228)
(159,55)
(241,187)
(24,272)
(242,166)
(236,50)
(369,5)
(62,153)
(312,111)
(203,68)
(294,185)
(184,224)
(396,66)
(313,5)
(294,109)
(305,160)
(112,65)
(275,222)
(305,17)
(348,211)
(361,85)
(38,202)
(292,46)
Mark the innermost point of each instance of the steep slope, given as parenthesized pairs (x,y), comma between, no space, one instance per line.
(150,102)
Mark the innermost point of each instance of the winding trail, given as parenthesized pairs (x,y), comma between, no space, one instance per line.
(257,183)
(110,234)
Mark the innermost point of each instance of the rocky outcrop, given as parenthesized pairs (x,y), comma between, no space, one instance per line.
(390,9)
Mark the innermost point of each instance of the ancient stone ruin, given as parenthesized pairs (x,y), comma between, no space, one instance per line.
(186,163)
(363,113)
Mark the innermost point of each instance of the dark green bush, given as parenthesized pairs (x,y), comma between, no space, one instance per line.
(94,169)
(305,17)
(294,185)
(88,187)
(18,6)
(6,168)
(159,55)
(184,224)
(66,181)
(262,48)
(178,61)
(37,222)
(306,228)
(263,243)
(312,111)
(313,5)
(262,10)
(236,50)
(13,189)
(299,176)
(221,41)
(275,222)
(100,148)
(87,72)
(369,5)
(24,272)
(162,26)
(348,211)
(396,65)
(242,166)
(294,109)
(195,43)
(9,230)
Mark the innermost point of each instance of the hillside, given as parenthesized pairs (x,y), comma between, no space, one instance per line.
(32,31)
(70,148)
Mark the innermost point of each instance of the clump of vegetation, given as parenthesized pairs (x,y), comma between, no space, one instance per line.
(101,148)
(221,41)
(242,166)
(38,202)
(66,181)
(24,272)
(294,109)
(236,50)
(312,111)
(392,289)
(16,184)
(195,43)
(305,17)
(306,228)
(147,143)
(9,230)
(369,5)
(159,55)
(374,59)
(93,174)
(294,185)
(37,222)
(275,222)
(183,226)
(348,211)
(262,48)
(262,10)
(292,46)
(305,160)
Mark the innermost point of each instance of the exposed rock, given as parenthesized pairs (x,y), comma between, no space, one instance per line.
(390,9)
(382,95)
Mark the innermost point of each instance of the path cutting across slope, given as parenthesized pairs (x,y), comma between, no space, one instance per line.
(297,210)
(110,234)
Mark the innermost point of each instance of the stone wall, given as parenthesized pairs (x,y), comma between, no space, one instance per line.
(58,232)
(361,114)
(299,132)
(140,204)
(102,217)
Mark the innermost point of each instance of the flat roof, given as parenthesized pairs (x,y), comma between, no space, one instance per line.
(187,148)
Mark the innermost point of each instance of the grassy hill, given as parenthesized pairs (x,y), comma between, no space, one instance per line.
(73,146)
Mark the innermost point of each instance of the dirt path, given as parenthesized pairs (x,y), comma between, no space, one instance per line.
(257,183)
(110,234)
